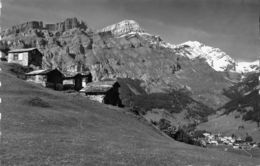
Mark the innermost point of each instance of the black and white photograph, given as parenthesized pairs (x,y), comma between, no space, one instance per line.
(130,82)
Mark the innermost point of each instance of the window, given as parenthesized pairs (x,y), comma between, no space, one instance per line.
(15,56)
(20,56)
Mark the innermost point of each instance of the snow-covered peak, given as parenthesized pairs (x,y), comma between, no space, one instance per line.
(193,44)
(124,27)
(130,28)
(244,67)
(216,58)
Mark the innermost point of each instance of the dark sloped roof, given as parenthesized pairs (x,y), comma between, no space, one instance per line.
(22,50)
(71,75)
(98,87)
(40,72)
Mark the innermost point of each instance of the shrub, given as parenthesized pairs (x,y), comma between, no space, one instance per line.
(38,102)
(171,131)
(249,139)
(182,136)
(164,124)
(199,134)
(189,128)
(137,110)
(19,70)
(154,122)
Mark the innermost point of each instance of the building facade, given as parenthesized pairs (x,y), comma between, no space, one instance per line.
(77,81)
(48,78)
(25,57)
(106,92)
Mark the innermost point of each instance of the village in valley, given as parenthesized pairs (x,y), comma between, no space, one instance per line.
(234,142)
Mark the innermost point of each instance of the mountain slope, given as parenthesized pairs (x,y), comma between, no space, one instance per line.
(245,67)
(240,111)
(124,50)
(216,58)
(123,28)
(40,126)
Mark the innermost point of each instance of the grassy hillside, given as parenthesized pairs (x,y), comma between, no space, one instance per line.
(43,127)
(175,102)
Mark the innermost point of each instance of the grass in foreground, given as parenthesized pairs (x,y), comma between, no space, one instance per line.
(70,130)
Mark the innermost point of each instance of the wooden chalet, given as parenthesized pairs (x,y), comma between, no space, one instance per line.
(25,57)
(77,81)
(51,78)
(104,92)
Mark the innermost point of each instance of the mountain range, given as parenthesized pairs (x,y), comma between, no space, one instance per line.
(216,58)
(147,66)
(186,84)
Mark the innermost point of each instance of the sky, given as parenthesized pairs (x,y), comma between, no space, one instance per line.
(231,25)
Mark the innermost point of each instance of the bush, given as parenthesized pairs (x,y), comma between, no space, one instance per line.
(249,139)
(137,110)
(182,136)
(19,70)
(164,124)
(171,131)
(189,127)
(154,122)
(38,102)
(199,134)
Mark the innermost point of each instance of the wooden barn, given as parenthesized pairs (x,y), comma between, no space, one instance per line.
(77,81)
(104,92)
(25,57)
(2,56)
(50,78)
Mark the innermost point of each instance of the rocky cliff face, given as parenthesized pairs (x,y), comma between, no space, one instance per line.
(124,27)
(66,25)
(124,50)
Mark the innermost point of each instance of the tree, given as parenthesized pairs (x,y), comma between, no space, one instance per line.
(182,136)
(199,134)
(164,124)
(248,138)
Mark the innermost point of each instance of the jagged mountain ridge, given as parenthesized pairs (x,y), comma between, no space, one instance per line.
(216,58)
(130,28)
(133,54)
(123,28)
(65,25)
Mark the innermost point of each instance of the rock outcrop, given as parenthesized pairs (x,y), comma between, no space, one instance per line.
(124,27)
(66,25)
(125,50)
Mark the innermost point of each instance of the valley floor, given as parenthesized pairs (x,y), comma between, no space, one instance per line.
(228,125)
(44,127)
